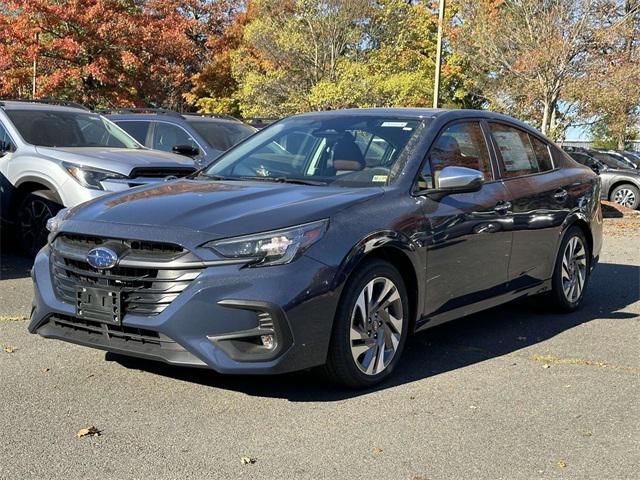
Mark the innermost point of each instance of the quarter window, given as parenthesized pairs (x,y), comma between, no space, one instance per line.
(459,145)
(522,154)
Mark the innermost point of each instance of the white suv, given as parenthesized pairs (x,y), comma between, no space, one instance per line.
(60,155)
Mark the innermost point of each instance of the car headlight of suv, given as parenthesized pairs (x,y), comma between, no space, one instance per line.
(271,248)
(90,177)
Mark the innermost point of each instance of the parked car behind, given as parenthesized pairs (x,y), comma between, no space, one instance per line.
(620,184)
(330,253)
(61,154)
(202,137)
(630,160)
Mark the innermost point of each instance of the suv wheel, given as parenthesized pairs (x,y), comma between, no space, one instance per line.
(370,328)
(626,195)
(571,273)
(33,213)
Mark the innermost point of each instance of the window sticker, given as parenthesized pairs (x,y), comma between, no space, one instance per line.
(380,178)
(394,124)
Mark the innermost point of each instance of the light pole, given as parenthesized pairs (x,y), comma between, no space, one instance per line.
(436,83)
(35,69)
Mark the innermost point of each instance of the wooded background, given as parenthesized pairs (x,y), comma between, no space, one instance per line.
(552,63)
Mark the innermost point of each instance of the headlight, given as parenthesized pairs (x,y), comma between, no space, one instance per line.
(272,248)
(90,177)
(54,224)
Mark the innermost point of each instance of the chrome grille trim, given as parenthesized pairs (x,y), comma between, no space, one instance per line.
(158,276)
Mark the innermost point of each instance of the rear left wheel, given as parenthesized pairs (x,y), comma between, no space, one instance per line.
(370,327)
(572,269)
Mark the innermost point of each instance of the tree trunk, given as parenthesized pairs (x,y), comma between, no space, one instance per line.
(546,113)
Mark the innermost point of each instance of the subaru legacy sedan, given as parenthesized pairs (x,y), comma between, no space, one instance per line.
(324,240)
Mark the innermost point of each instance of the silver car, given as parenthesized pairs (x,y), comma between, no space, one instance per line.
(54,156)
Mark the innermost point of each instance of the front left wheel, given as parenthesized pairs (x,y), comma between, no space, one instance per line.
(370,327)
(33,213)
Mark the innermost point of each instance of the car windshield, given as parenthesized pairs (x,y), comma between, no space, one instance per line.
(51,128)
(222,135)
(341,150)
(609,160)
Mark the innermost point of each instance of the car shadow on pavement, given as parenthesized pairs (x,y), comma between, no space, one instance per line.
(457,344)
(14,266)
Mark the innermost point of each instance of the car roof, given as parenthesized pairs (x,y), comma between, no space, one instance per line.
(168,115)
(421,113)
(39,106)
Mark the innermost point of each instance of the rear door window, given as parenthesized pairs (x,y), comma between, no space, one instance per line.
(136,128)
(521,153)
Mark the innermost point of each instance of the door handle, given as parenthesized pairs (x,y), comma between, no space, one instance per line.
(502,208)
(560,195)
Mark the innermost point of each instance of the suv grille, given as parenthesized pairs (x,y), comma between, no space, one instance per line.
(145,291)
(150,172)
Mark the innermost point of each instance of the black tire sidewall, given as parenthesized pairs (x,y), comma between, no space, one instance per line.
(629,186)
(26,201)
(340,364)
(557,290)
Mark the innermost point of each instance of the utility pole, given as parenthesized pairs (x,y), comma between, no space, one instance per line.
(436,83)
(35,69)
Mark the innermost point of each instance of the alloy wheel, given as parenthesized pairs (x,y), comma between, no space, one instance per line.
(625,197)
(33,223)
(574,269)
(377,321)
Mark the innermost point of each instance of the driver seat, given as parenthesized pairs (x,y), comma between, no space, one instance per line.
(347,156)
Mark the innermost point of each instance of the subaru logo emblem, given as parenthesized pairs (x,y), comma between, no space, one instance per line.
(102,258)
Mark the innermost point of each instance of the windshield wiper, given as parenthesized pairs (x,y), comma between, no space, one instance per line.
(298,181)
(209,176)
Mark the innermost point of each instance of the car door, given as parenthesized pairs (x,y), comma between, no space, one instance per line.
(541,197)
(469,239)
(7,147)
(167,135)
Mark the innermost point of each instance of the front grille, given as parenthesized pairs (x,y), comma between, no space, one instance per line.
(151,172)
(144,290)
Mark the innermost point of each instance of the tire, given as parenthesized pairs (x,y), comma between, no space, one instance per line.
(359,332)
(627,195)
(571,277)
(32,215)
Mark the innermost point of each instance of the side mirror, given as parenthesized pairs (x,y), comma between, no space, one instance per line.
(457,180)
(186,150)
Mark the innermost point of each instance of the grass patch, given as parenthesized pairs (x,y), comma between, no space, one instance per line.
(16,318)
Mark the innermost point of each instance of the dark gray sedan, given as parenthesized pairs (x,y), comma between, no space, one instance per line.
(324,240)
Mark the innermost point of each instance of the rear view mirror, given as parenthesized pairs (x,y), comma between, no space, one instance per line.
(186,150)
(457,180)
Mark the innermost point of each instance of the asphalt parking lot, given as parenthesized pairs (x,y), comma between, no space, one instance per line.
(512,393)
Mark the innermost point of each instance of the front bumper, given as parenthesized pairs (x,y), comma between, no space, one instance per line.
(213,321)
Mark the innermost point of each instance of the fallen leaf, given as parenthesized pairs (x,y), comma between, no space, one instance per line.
(88,432)
(586,433)
(546,365)
(248,460)
(562,464)
(377,450)
(10,349)
(12,319)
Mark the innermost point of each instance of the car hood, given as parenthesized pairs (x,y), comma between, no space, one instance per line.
(119,160)
(218,208)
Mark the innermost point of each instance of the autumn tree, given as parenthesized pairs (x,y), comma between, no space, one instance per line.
(609,93)
(103,52)
(523,55)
